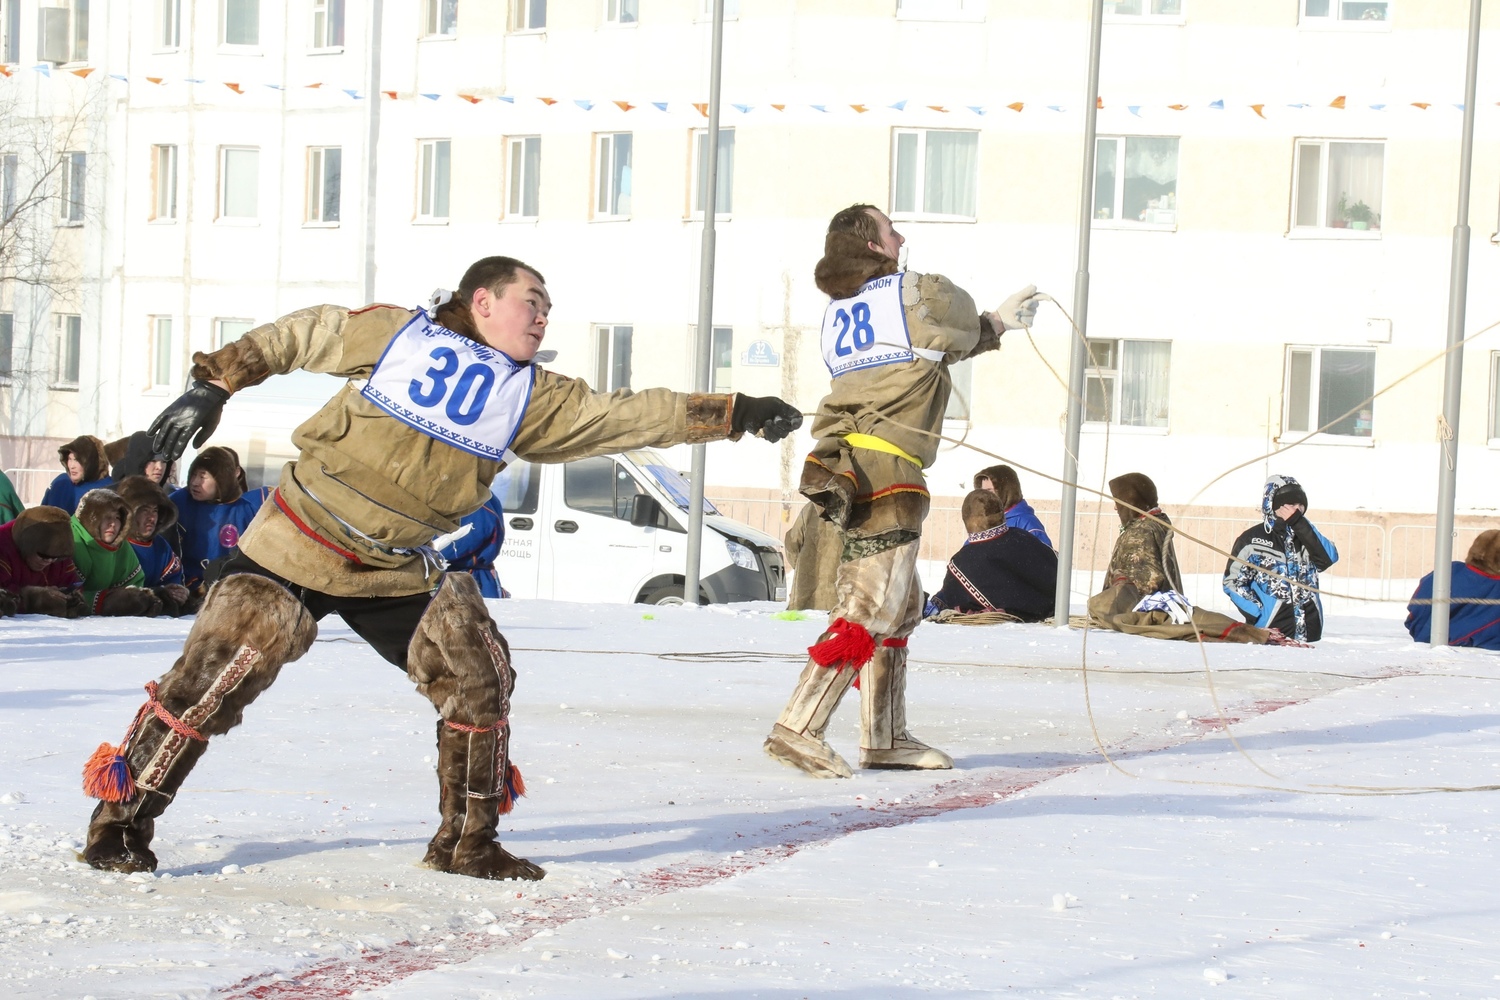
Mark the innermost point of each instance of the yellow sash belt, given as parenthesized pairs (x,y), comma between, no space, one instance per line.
(873,443)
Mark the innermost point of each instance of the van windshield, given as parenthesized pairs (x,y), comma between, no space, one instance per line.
(669,479)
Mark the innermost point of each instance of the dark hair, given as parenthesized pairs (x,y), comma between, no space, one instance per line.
(493,273)
(848,262)
(857,219)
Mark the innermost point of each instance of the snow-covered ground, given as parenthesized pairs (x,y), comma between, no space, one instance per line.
(1303,851)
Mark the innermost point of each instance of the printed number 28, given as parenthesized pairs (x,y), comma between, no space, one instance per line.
(864,333)
(456,407)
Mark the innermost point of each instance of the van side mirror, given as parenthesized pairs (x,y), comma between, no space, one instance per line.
(645,512)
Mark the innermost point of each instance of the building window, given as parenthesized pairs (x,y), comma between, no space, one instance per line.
(621,11)
(74,166)
(1333,11)
(942,10)
(1338,185)
(960,396)
(7,346)
(241,22)
(722,354)
(613,353)
(161,350)
(439,18)
(934,174)
(10,51)
(1127,382)
(62,31)
(614,175)
(525,176)
(528,15)
(227,331)
(1135,180)
(328,24)
(164,182)
(168,24)
(324,164)
(1329,390)
(1144,10)
(731,9)
(69,349)
(724,189)
(435,171)
(1494,434)
(10,165)
(239,182)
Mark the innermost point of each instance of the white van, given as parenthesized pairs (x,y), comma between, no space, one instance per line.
(614,529)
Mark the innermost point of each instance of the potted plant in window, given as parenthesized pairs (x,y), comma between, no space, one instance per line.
(1359,215)
(1340,218)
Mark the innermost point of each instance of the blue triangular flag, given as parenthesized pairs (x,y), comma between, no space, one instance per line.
(899,105)
(1296,105)
(119,76)
(431,97)
(1134,109)
(976,109)
(1459,106)
(1377,107)
(507,100)
(585,105)
(353,93)
(819,107)
(1055,107)
(659,105)
(1217,105)
(742,108)
(43,68)
(191,79)
(275,86)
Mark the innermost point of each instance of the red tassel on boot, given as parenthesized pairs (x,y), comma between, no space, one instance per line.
(849,645)
(107,776)
(515,787)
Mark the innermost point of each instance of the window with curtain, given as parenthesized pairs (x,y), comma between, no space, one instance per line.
(612,354)
(241,22)
(724,189)
(168,24)
(239,182)
(1329,388)
(69,350)
(1143,10)
(1135,180)
(525,177)
(613,170)
(722,352)
(1494,432)
(324,183)
(328,24)
(621,11)
(1345,12)
(434,173)
(74,168)
(7,345)
(528,15)
(440,17)
(227,331)
(1338,185)
(10,166)
(161,350)
(934,174)
(164,183)
(960,396)
(1128,382)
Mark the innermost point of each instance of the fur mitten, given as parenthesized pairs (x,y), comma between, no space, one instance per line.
(44,601)
(170,606)
(78,606)
(9,603)
(129,602)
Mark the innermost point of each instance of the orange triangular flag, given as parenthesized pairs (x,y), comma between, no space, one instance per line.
(937,107)
(1421,104)
(859,108)
(314,86)
(1337,102)
(702,109)
(1099,103)
(235,87)
(389,93)
(779,107)
(4,71)
(624,105)
(1183,107)
(83,73)
(154,79)
(471,98)
(1017,106)
(549,101)
(1258,109)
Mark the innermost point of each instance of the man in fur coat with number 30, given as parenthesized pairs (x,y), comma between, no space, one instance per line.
(434,407)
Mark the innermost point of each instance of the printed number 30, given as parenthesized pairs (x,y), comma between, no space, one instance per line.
(462,389)
(864,333)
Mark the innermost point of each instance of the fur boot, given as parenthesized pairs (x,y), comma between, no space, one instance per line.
(461,663)
(249,628)
(797,737)
(884,742)
(129,602)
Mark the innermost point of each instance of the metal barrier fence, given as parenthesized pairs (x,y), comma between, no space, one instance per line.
(30,484)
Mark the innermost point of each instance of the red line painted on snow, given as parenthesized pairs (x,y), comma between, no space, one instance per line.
(341,977)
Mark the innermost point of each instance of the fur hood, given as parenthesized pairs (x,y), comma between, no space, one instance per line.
(46,531)
(1136,489)
(224,465)
(128,457)
(90,453)
(982,510)
(138,492)
(1007,484)
(848,263)
(1484,554)
(95,505)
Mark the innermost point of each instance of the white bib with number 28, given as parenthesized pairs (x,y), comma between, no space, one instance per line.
(868,329)
(450,388)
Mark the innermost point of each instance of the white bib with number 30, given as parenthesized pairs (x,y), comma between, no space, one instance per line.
(867,329)
(450,388)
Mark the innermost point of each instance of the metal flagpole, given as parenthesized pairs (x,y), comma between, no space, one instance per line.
(702,362)
(1078,356)
(1453,365)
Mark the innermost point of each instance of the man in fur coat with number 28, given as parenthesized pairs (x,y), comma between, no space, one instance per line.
(434,408)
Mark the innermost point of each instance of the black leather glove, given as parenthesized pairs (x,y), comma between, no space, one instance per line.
(194,412)
(764,416)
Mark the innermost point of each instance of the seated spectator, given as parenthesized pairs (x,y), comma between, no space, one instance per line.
(152,514)
(36,564)
(813,550)
(135,456)
(10,502)
(1143,586)
(112,577)
(213,510)
(1004,483)
(1273,578)
(999,568)
(85,467)
(1477,578)
(477,549)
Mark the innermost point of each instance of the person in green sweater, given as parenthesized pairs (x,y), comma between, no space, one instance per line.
(10,504)
(112,575)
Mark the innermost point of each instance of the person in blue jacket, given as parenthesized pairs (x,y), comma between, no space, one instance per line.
(85,467)
(1002,481)
(152,516)
(1273,578)
(213,510)
(1477,578)
(478,546)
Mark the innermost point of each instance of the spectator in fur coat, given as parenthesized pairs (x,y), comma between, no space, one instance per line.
(85,467)
(152,514)
(1274,578)
(999,568)
(111,573)
(213,511)
(1004,483)
(10,503)
(136,456)
(1477,578)
(37,574)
